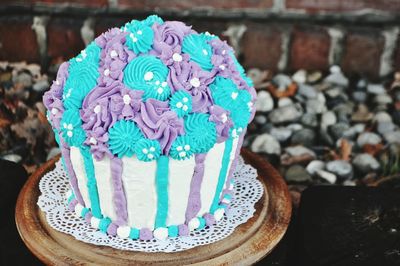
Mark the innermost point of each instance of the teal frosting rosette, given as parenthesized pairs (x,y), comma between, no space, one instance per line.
(182,148)
(71,128)
(83,75)
(181,103)
(199,49)
(123,136)
(150,20)
(147,150)
(201,131)
(238,102)
(149,74)
(140,35)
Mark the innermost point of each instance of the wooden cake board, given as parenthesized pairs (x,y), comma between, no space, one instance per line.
(249,243)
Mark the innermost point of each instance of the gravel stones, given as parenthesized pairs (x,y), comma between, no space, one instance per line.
(365,163)
(297,174)
(368,138)
(284,114)
(264,101)
(340,168)
(304,137)
(266,143)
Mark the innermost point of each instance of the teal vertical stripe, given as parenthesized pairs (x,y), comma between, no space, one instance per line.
(162,191)
(91,182)
(222,174)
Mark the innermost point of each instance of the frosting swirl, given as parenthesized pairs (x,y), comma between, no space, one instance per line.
(140,36)
(71,128)
(223,122)
(149,74)
(201,131)
(147,150)
(169,35)
(182,148)
(181,103)
(123,136)
(199,49)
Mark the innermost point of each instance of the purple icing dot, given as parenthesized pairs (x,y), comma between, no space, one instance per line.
(210,220)
(145,234)
(183,230)
(112,229)
(88,217)
(72,205)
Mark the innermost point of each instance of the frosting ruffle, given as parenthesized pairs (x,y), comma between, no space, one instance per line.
(71,128)
(223,122)
(140,36)
(201,131)
(147,150)
(181,103)
(182,148)
(199,49)
(123,136)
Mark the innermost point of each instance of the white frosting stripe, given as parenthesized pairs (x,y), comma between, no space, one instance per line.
(79,168)
(140,189)
(180,176)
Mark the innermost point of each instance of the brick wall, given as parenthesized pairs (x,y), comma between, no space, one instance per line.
(281,35)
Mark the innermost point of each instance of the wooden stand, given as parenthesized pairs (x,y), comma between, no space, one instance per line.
(246,245)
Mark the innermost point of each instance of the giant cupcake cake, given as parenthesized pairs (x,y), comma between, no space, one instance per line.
(150,119)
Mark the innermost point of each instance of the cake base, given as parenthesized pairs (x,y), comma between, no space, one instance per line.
(249,242)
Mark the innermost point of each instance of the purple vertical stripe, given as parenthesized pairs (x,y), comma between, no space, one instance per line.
(65,152)
(233,165)
(119,198)
(194,201)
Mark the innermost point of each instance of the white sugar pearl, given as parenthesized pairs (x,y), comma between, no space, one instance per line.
(113,54)
(139,32)
(205,52)
(182,154)
(161,233)
(164,84)
(123,231)
(160,90)
(187,147)
(70,133)
(150,156)
(185,99)
(134,39)
(234,95)
(222,67)
(57,82)
(185,108)
(224,118)
(179,104)
(145,151)
(126,99)
(70,127)
(106,72)
(148,76)
(65,125)
(158,82)
(54,111)
(234,133)
(179,148)
(78,210)
(93,141)
(177,57)
(95,222)
(219,213)
(152,149)
(195,82)
(193,224)
(223,51)
(97,109)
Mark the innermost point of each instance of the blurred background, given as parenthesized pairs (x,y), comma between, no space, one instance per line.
(328,109)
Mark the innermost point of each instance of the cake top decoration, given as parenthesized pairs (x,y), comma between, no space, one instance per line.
(151,88)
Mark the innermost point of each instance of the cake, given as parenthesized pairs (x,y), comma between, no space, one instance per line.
(150,119)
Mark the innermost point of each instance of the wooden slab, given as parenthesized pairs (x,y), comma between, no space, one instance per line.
(246,245)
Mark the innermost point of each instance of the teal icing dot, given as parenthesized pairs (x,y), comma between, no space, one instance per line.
(71,128)
(150,20)
(201,131)
(104,223)
(123,136)
(134,233)
(140,37)
(202,223)
(83,75)
(182,148)
(149,74)
(226,94)
(181,103)
(84,212)
(200,51)
(173,231)
(147,150)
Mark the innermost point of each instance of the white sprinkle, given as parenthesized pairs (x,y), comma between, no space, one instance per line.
(179,148)
(223,51)
(70,127)
(65,125)
(182,154)
(139,32)
(205,52)
(224,118)
(79,59)
(134,39)
(195,82)
(93,141)
(54,111)
(177,57)
(150,156)
(152,149)
(148,76)
(106,72)
(70,133)
(185,108)
(145,151)
(222,67)
(160,90)
(164,84)
(187,147)
(179,104)
(97,109)
(185,99)
(157,82)
(57,82)
(234,95)
(113,54)
(126,99)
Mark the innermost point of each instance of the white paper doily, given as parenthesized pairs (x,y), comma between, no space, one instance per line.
(54,185)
